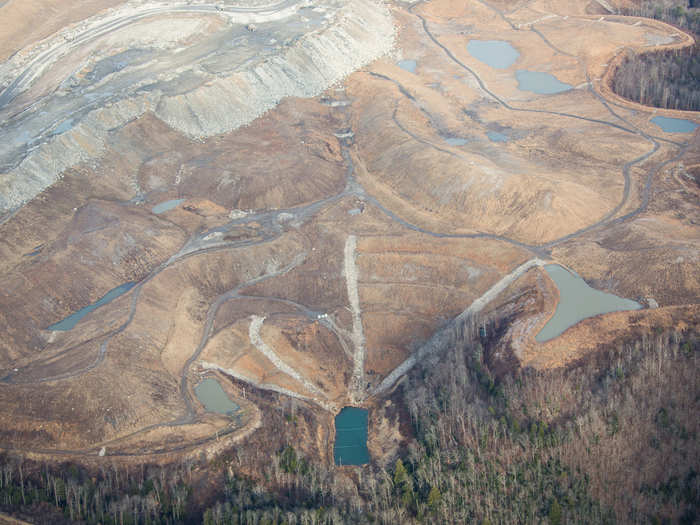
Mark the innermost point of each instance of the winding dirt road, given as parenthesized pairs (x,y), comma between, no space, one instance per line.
(273,228)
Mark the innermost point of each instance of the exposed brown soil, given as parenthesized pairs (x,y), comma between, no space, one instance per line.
(266,214)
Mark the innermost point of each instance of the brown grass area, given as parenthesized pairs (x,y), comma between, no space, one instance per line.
(554,176)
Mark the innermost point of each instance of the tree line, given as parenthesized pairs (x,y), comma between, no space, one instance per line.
(612,438)
(665,79)
(69,493)
(681,13)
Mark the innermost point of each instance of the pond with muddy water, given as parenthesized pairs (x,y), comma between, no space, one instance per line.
(578,301)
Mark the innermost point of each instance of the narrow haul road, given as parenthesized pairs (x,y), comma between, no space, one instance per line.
(190,415)
(610,217)
(273,229)
(208,327)
(200,244)
(441,337)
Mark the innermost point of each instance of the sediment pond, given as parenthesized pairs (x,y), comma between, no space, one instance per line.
(351,437)
(408,65)
(69,322)
(578,301)
(675,125)
(455,141)
(539,82)
(498,54)
(495,136)
(166,206)
(210,393)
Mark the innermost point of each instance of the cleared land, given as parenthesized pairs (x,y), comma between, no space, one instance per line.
(324,247)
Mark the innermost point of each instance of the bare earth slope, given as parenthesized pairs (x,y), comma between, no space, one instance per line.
(301,217)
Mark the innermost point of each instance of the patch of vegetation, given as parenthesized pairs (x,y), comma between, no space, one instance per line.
(665,79)
(68,493)
(613,438)
(681,13)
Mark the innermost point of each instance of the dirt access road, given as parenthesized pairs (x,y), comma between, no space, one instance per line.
(329,276)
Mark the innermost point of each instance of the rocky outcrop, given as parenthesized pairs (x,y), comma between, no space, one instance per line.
(44,165)
(362,31)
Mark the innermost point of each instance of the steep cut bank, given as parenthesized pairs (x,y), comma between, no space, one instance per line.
(362,31)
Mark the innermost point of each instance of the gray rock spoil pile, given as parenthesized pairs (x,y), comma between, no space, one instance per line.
(356,32)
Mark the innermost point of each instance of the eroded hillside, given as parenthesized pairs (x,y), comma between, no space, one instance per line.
(300,199)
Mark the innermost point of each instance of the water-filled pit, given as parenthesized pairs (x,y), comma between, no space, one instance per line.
(495,136)
(69,322)
(408,65)
(578,301)
(675,125)
(456,141)
(351,437)
(498,54)
(166,206)
(210,393)
(539,82)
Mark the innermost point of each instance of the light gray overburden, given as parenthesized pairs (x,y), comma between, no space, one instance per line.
(230,75)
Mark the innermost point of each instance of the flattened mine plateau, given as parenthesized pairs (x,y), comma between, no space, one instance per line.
(323,217)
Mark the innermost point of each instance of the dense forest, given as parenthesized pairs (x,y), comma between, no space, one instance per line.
(665,79)
(681,13)
(610,439)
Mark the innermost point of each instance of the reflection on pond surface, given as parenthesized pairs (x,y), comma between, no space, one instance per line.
(578,301)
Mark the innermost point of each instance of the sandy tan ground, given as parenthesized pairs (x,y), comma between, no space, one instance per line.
(22,23)
(268,210)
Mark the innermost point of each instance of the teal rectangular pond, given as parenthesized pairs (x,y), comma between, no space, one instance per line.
(210,393)
(351,437)
(675,125)
(578,301)
(69,322)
